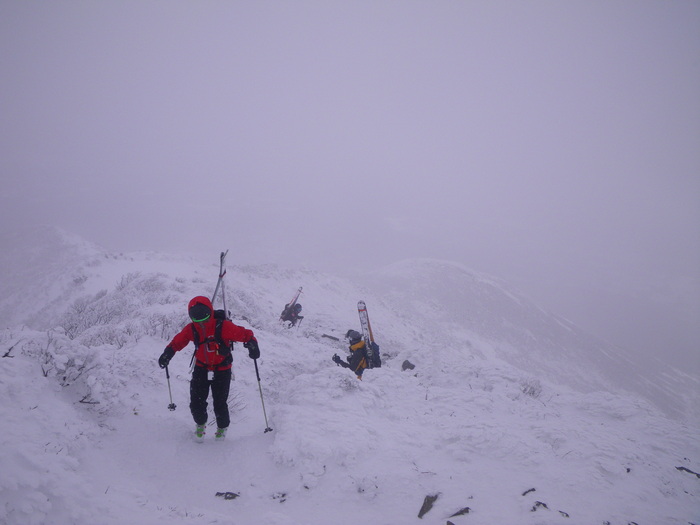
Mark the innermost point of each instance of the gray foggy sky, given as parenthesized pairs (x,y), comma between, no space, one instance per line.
(554,144)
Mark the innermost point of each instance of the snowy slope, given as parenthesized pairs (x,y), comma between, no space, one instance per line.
(459,307)
(489,412)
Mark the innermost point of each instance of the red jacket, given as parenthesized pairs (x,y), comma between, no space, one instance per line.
(207,353)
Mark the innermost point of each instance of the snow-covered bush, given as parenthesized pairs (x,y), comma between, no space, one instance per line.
(89,311)
(531,387)
(91,347)
(59,356)
(104,335)
(163,326)
(116,317)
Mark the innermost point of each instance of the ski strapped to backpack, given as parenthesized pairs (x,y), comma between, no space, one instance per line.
(220,282)
(224,349)
(374,360)
(290,305)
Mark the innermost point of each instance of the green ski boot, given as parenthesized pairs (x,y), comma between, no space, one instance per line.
(220,434)
(199,433)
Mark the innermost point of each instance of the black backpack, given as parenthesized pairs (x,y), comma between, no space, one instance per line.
(375,361)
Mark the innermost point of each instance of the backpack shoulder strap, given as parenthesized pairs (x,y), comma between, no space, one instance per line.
(224,347)
(195,336)
(195,340)
(217,332)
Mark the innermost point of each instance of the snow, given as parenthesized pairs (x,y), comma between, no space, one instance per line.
(504,398)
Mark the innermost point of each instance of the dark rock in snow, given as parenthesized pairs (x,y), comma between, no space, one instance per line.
(537,505)
(461,512)
(407,365)
(683,469)
(228,495)
(428,504)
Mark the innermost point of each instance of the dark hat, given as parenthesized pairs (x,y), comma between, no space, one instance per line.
(353,336)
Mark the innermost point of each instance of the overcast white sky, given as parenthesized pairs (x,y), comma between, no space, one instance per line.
(553,144)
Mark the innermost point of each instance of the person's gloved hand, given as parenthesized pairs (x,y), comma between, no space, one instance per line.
(165,357)
(253,349)
(339,361)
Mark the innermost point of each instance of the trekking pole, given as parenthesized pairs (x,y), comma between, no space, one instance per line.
(171,406)
(257,373)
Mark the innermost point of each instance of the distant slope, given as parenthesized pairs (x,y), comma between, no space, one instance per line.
(458,306)
(45,269)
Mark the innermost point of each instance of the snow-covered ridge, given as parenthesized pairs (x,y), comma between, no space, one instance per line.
(488,413)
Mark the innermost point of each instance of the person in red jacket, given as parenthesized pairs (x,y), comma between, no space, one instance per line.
(213,360)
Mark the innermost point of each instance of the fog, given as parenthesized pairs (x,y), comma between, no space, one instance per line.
(553,144)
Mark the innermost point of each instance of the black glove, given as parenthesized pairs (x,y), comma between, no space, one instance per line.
(338,361)
(165,357)
(253,349)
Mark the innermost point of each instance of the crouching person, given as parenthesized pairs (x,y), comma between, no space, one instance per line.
(357,360)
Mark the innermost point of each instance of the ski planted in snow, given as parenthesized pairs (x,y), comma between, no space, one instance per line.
(370,346)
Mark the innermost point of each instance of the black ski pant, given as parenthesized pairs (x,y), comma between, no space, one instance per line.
(199,391)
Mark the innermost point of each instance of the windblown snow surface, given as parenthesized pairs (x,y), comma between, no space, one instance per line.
(509,416)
